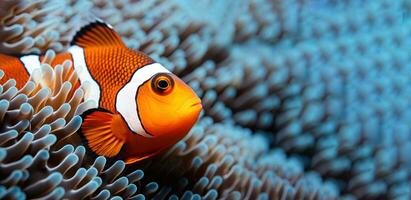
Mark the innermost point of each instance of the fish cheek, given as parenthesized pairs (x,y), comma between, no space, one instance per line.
(155,111)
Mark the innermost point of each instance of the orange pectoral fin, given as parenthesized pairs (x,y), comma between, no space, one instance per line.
(97,133)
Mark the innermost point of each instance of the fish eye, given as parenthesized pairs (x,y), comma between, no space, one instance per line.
(162,83)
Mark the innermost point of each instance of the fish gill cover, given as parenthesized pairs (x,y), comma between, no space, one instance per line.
(303,99)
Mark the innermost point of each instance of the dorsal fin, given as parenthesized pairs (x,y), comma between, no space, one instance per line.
(97,34)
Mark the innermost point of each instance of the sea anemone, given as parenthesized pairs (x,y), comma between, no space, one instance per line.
(39,155)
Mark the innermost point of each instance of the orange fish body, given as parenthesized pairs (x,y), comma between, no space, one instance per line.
(141,108)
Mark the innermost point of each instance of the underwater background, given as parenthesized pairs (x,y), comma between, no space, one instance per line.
(303,99)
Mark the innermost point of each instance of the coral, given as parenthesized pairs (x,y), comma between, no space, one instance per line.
(302,100)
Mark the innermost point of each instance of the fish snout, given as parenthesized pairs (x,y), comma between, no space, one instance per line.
(191,110)
(195,105)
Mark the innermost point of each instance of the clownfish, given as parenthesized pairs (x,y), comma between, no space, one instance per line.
(141,108)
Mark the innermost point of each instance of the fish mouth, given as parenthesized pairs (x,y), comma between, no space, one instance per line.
(193,105)
(196,104)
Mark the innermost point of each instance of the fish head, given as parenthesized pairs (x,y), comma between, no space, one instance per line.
(167,107)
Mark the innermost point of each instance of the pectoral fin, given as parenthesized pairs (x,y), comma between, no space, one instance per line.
(97,133)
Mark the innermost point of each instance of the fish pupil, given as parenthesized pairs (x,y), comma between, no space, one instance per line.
(162,84)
